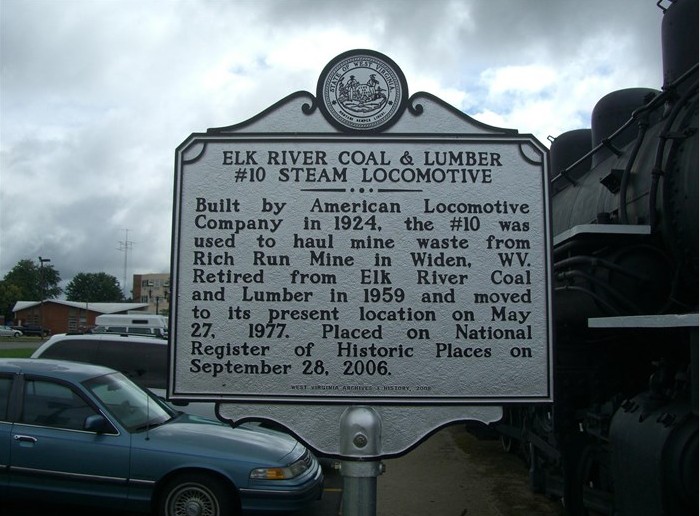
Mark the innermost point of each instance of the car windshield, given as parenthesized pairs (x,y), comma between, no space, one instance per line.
(134,408)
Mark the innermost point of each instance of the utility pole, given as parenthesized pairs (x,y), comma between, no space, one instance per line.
(124,246)
(42,280)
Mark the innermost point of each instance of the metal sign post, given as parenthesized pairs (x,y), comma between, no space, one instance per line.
(362,257)
(360,434)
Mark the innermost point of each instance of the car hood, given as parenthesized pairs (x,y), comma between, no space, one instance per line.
(188,434)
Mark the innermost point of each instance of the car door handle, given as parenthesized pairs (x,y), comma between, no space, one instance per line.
(25,438)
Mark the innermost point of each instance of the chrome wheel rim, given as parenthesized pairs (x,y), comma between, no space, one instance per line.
(193,500)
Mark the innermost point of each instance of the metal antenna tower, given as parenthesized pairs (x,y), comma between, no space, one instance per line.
(124,246)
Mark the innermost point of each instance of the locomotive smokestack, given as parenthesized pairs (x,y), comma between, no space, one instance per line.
(679,41)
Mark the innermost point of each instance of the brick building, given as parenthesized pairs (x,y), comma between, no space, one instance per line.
(65,316)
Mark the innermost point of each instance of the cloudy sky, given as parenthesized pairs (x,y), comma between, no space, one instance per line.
(95,95)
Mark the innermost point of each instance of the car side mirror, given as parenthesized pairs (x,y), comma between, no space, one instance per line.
(97,423)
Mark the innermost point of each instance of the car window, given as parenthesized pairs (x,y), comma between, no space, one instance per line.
(48,403)
(130,405)
(72,349)
(140,331)
(145,364)
(5,386)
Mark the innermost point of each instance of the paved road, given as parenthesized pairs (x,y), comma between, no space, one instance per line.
(20,343)
(450,474)
(455,474)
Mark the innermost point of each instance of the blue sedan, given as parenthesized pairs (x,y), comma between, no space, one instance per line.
(78,433)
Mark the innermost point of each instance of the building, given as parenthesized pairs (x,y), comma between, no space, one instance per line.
(67,316)
(153,289)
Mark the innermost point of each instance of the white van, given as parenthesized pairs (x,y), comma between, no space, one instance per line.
(136,324)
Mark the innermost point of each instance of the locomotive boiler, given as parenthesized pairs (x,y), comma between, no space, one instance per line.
(621,436)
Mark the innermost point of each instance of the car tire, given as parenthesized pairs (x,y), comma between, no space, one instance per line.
(196,493)
(17,334)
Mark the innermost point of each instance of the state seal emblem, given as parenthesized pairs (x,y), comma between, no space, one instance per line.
(362,91)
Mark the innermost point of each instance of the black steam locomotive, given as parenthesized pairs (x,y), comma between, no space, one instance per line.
(621,436)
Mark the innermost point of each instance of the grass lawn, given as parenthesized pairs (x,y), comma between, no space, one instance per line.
(22,347)
(16,353)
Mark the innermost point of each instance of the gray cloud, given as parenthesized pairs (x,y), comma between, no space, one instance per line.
(96,96)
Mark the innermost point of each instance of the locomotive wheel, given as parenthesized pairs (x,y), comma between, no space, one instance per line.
(593,480)
(586,479)
(507,442)
(538,421)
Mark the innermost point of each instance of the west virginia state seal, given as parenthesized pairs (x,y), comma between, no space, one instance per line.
(362,91)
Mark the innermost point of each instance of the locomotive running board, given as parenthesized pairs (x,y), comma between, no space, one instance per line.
(600,230)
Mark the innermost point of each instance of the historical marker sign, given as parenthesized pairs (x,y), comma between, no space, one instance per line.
(358,248)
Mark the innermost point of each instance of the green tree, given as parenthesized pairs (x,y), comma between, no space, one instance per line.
(94,287)
(9,295)
(28,281)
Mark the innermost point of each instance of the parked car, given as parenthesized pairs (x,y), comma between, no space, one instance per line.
(144,360)
(84,434)
(6,331)
(33,329)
